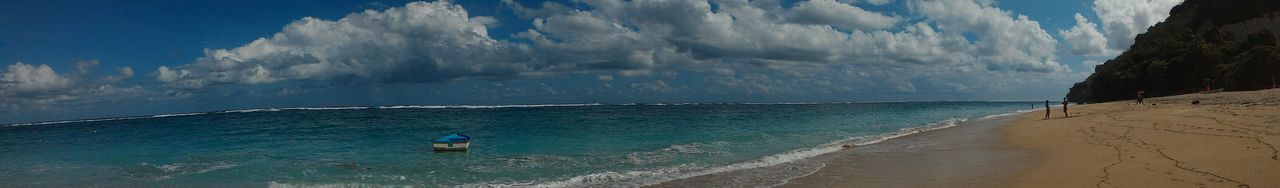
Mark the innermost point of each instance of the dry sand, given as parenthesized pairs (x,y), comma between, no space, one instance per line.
(1229,140)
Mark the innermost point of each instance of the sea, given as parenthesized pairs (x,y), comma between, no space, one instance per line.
(554,145)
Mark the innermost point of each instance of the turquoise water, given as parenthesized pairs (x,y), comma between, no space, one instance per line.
(537,145)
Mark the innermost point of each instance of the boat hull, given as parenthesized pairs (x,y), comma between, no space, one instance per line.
(456,146)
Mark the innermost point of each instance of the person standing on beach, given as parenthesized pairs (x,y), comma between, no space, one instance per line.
(1064,108)
(1046,109)
(1139,96)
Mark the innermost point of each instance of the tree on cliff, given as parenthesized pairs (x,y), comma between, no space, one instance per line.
(1227,44)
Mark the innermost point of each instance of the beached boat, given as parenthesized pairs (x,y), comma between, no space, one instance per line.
(452,142)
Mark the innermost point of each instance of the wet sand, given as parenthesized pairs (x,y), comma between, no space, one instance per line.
(970,154)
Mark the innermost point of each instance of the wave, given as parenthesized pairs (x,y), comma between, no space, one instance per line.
(76,121)
(301,108)
(488,106)
(641,178)
(671,152)
(168,171)
(176,115)
(295,108)
(1007,114)
(331,185)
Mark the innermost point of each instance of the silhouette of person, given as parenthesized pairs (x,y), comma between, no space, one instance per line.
(1046,109)
(1064,108)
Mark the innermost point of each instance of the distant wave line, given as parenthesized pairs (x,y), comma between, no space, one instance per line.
(299,108)
(455,107)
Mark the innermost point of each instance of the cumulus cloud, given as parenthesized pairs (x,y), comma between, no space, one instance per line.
(1009,42)
(28,87)
(420,42)
(1085,39)
(1122,20)
(657,86)
(440,41)
(620,47)
(83,67)
(21,79)
(879,2)
(830,12)
(125,72)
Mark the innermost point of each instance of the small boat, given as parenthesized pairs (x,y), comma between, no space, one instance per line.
(452,142)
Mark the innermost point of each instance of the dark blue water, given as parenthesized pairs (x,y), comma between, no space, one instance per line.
(553,145)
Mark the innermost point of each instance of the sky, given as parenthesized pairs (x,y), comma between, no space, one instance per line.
(62,60)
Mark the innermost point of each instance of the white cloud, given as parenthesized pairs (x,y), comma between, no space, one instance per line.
(436,42)
(604,77)
(83,67)
(487,21)
(738,48)
(1085,39)
(656,86)
(1122,20)
(29,88)
(1007,41)
(879,2)
(421,42)
(905,87)
(126,72)
(830,12)
(20,78)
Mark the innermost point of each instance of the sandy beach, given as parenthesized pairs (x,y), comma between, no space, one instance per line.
(1228,140)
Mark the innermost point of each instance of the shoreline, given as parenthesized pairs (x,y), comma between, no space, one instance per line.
(1229,139)
(968,155)
(890,160)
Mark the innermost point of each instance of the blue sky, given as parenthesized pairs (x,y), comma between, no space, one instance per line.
(93,59)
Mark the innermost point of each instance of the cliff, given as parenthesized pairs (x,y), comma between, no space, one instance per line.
(1230,45)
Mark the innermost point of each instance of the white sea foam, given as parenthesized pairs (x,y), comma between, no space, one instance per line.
(296,108)
(488,106)
(253,110)
(652,177)
(330,108)
(304,108)
(176,115)
(76,121)
(672,151)
(168,171)
(1007,114)
(332,185)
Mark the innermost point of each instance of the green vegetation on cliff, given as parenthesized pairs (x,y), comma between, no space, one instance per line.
(1230,45)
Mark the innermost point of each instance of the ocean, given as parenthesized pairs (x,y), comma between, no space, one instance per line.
(559,145)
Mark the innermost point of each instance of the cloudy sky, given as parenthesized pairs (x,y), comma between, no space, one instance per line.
(73,60)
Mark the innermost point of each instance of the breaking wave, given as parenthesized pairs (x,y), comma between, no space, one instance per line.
(304,108)
(656,176)
(488,106)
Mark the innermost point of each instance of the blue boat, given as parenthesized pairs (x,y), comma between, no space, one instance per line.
(452,142)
